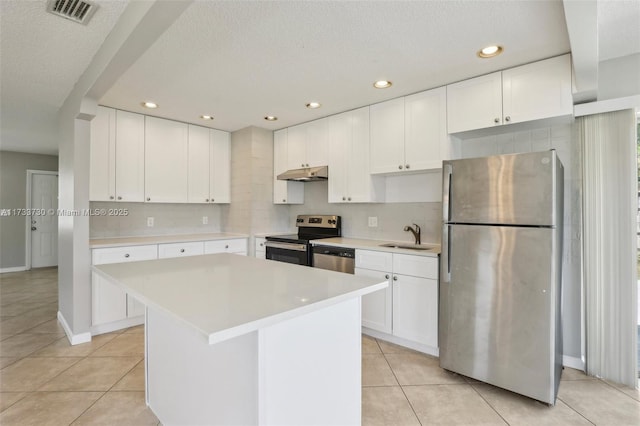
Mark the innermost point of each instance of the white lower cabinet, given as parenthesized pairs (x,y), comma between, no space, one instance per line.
(408,308)
(110,303)
(235,246)
(180,249)
(260,248)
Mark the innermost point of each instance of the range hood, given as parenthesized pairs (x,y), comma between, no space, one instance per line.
(308,174)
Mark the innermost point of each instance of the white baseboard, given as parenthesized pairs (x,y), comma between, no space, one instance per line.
(74,339)
(117,325)
(13,269)
(573,362)
(429,350)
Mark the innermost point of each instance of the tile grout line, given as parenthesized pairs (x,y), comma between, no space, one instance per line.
(618,389)
(575,411)
(384,355)
(488,403)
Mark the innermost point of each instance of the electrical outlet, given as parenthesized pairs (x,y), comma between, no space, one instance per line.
(373,221)
(205,220)
(150,222)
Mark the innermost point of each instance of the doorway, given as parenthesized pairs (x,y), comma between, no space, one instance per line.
(42,219)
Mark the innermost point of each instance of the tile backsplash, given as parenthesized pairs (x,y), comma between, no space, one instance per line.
(167,218)
(392,217)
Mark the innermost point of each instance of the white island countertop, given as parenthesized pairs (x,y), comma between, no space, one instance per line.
(223,296)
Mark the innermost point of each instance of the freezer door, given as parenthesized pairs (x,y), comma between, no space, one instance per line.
(522,189)
(498,294)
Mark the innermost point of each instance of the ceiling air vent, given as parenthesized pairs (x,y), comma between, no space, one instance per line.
(79,11)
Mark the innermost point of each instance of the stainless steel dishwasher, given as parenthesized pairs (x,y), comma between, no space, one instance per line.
(334,258)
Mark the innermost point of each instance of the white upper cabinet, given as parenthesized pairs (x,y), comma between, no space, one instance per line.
(426,142)
(349,177)
(199,158)
(387,136)
(102,163)
(409,134)
(284,192)
(537,91)
(116,156)
(307,144)
(166,161)
(530,92)
(220,172)
(209,165)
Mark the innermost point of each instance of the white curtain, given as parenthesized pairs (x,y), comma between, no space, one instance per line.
(610,197)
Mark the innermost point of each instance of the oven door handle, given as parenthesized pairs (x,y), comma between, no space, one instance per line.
(286,246)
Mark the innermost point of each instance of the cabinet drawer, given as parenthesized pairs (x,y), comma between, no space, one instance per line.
(417,266)
(180,249)
(226,246)
(103,256)
(376,260)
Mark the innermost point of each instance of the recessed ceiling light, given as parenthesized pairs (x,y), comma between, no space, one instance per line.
(382,84)
(490,51)
(149,104)
(207,117)
(313,105)
(271,118)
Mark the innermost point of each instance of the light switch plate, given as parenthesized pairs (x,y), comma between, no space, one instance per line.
(150,222)
(373,221)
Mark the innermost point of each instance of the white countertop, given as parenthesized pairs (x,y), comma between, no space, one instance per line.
(375,245)
(159,239)
(226,295)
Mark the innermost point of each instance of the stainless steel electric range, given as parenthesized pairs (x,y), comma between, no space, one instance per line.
(295,248)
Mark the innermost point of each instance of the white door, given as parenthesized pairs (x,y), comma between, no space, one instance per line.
(44,227)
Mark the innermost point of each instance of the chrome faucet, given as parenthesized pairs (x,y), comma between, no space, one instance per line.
(415,232)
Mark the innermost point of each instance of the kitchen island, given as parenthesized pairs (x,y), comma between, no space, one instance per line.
(237,340)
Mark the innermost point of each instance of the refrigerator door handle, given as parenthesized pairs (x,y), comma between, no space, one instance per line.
(445,271)
(447,172)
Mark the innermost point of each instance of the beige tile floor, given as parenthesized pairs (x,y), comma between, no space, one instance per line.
(45,381)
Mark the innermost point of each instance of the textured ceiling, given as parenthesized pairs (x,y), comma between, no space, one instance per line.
(43,56)
(240,61)
(618,28)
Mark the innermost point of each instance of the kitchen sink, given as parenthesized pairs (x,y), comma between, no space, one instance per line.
(406,246)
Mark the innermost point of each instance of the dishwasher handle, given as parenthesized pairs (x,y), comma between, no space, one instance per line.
(335,251)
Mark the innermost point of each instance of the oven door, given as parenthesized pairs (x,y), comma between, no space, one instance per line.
(287,252)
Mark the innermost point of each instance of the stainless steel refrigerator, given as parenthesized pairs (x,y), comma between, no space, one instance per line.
(500,271)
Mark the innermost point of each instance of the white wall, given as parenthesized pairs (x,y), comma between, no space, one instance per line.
(619,77)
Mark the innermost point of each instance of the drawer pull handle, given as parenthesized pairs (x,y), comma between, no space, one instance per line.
(395,278)
(126,255)
(181,250)
(227,246)
(386,276)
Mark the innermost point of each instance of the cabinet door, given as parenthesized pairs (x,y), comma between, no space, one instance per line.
(220,176)
(102,163)
(317,141)
(339,156)
(237,245)
(415,309)
(130,156)
(362,187)
(284,192)
(296,147)
(538,90)
(199,155)
(135,308)
(425,139)
(180,249)
(387,136)
(166,161)
(377,306)
(376,260)
(475,103)
(260,249)
(108,301)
